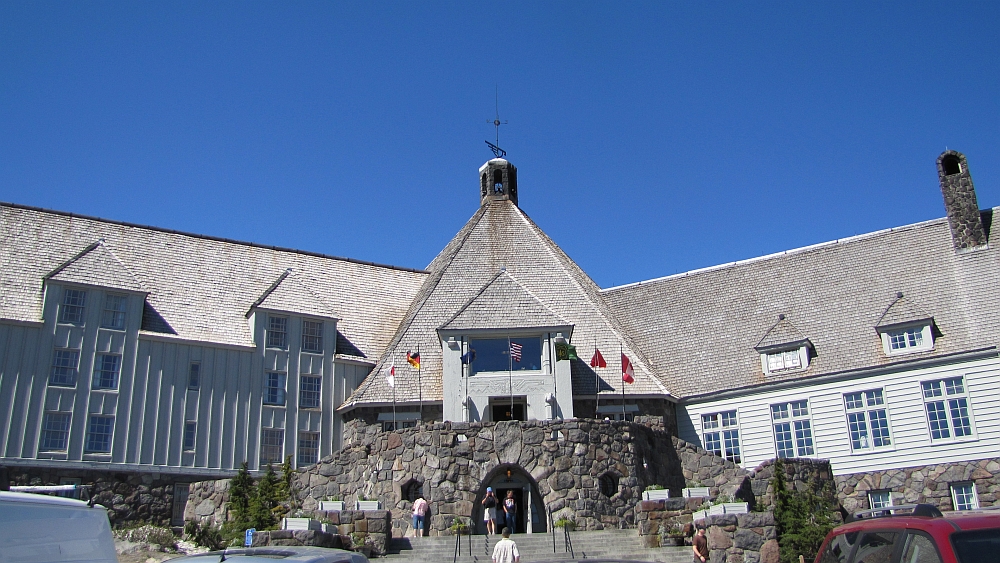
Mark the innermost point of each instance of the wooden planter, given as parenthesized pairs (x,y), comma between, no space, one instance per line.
(331,505)
(655,494)
(673,541)
(736,507)
(694,492)
(368,505)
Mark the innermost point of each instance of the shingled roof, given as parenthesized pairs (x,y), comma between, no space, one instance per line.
(199,288)
(700,328)
(504,304)
(500,238)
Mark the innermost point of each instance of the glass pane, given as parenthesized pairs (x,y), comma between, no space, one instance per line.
(853,400)
(880,428)
(803,437)
(876,547)
(954,386)
(494,354)
(858,429)
(783,439)
(980,546)
(960,417)
(779,412)
(839,548)
(938,420)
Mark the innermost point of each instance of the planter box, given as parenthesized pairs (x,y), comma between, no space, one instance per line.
(331,505)
(658,494)
(717,509)
(330,528)
(694,492)
(301,524)
(676,541)
(736,507)
(368,505)
(700,515)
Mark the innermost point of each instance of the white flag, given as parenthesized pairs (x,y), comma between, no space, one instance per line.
(391,378)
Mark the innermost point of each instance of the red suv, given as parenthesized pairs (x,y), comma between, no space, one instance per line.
(917,533)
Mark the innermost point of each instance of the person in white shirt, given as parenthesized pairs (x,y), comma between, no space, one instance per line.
(505,551)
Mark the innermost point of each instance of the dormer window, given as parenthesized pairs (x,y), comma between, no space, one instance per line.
(784,360)
(783,348)
(907,340)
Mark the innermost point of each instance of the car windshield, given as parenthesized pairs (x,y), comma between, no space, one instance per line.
(979,546)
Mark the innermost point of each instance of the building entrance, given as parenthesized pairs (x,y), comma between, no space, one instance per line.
(529,507)
(502,409)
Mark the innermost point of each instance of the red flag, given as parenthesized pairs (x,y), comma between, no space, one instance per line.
(628,374)
(598,360)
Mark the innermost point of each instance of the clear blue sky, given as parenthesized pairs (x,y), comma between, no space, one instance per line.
(650,138)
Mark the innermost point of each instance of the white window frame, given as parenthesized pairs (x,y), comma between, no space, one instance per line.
(308,452)
(271,438)
(797,416)
(967,499)
(862,409)
(66,421)
(113,315)
(72,308)
(277,332)
(944,392)
(312,336)
(92,446)
(275,385)
(879,498)
(784,361)
(98,380)
(62,358)
(722,429)
(909,339)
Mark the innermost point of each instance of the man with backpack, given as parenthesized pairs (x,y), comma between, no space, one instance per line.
(490,511)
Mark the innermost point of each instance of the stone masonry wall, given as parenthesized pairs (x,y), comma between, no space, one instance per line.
(922,484)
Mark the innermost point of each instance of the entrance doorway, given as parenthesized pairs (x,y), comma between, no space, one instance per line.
(502,409)
(529,506)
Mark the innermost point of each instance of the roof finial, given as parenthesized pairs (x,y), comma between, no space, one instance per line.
(497,122)
(899,295)
(781,316)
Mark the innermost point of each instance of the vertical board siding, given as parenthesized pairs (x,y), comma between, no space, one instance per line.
(911,442)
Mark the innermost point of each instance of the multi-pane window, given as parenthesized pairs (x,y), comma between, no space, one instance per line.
(963,496)
(792,429)
(947,408)
(879,499)
(309,391)
(312,336)
(99,433)
(190,432)
(786,360)
(73,302)
(113,315)
(64,364)
(867,422)
(721,433)
(907,338)
(194,375)
(308,448)
(277,332)
(106,370)
(274,388)
(272,444)
(55,431)
(389,426)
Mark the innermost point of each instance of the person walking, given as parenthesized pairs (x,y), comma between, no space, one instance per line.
(505,551)
(419,511)
(699,544)
(489,503)
(510,512)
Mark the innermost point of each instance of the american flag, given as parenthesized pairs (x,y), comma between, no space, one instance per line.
(515,351)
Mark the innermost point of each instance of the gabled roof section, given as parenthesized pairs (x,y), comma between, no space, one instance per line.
(96,265)
(902,311)
(290,295)
(504,304)
(499,235)
(783,335)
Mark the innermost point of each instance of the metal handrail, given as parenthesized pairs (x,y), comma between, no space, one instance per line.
(568,541)
(552,528)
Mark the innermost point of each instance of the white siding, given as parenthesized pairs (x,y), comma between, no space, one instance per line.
(911,442)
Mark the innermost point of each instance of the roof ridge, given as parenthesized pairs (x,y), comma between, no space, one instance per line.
(74,258)
(209,237)
(775,255)
(482,290)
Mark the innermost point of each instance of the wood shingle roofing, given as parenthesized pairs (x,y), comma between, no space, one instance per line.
(199,288)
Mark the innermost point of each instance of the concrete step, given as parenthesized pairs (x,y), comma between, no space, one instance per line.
(608,544)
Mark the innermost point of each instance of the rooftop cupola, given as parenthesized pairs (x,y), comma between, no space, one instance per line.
(960,203)
(498,181)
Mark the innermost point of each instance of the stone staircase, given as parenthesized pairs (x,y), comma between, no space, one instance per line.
(597,545)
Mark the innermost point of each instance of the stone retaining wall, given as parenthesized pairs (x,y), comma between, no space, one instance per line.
(354,528)
(926,483)
(741,538)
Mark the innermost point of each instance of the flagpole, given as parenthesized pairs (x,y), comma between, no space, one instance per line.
(393,367)
(465,372)
(510,377)
(622,354)
(597,388)
(420,388)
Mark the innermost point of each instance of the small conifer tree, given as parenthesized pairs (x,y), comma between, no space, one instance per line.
(802,518)
(241,489)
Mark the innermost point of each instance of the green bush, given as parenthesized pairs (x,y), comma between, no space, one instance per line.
(204,536)
(565,523)
(802,518)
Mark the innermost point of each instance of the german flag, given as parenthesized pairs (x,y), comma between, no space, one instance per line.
(413,358)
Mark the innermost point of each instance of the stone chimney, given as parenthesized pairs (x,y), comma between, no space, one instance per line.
(960,201)
(498,181)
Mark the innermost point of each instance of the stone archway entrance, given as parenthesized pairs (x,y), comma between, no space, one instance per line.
(531,515)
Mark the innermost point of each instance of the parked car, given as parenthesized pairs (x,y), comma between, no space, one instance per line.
(915,534)
(47,529)
(298,554)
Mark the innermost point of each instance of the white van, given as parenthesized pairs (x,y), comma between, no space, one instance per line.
(46,529)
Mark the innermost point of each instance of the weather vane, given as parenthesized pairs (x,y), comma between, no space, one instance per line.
(495,147)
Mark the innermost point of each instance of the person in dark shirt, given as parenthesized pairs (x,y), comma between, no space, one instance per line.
(699,544)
